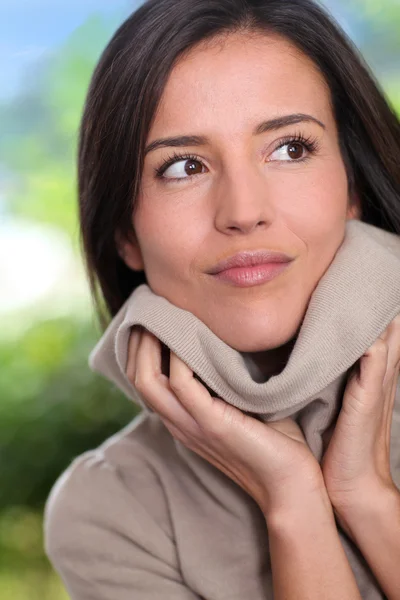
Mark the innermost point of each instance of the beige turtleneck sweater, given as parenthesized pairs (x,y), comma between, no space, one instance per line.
(143,517)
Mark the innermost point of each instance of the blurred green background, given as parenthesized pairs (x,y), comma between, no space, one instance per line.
(52,407)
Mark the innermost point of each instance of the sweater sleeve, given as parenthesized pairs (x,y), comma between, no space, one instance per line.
(104,543)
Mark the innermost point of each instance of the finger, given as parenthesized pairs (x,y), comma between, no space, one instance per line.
(154,385)
(378,374)
(289,427)
(372,369)
(392,337)
(131,366)
(388,410)
(192,394)
(133,345)
(389,402)
(362,401)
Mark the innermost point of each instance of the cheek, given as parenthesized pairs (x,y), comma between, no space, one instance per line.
(169,236)
(314,203)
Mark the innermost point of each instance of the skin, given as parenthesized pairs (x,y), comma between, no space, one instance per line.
(249,197)
(274,464)
(248,194)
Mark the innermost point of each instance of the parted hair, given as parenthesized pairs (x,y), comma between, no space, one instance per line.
(125,90)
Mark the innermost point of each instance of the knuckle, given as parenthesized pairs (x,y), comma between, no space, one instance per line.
(131,373)
(379,347)
(215,432)
(140,383)
(217,429)
(396,324)
(178,386)
(137,383)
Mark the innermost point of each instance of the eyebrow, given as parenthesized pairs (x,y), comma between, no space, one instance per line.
(199,140)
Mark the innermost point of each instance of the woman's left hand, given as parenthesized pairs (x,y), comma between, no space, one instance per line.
(271,462)
(356,466)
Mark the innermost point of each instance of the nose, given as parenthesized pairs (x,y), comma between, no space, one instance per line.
(242,202)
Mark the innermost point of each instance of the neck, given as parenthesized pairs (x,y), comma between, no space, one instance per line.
(270,362)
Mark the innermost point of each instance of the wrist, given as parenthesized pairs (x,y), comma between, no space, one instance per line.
(300,511)
(296,493)
(371,508)
(304,536)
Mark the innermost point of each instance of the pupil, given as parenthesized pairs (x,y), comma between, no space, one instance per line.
(295,150)
(191,166)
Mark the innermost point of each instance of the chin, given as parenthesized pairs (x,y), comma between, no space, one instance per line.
(260,339)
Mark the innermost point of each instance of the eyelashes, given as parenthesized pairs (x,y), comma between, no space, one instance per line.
(310,143)
(175,157)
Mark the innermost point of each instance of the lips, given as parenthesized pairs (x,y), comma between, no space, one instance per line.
(250,258)
(251,276)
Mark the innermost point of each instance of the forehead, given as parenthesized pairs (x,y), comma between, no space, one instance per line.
(242,76)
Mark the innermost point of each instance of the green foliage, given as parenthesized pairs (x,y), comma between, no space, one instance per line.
(392,89)
(379,24)
(386,14)
(25,573)
(40,130)
(53,408)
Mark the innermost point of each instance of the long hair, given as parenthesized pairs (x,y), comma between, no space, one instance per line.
(126,88)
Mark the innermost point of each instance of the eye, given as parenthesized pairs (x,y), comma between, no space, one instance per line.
(290,151)
(295,149)
(180,167)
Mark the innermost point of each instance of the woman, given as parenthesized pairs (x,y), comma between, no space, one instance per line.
(211,129)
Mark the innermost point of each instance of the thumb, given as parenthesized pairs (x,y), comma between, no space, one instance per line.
(288,427)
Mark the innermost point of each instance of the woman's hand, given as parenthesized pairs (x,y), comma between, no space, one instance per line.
(271,462)
(356,465)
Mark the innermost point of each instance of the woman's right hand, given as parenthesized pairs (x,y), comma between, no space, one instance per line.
(271,462)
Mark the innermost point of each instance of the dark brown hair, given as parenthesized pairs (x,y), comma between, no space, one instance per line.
(126,88)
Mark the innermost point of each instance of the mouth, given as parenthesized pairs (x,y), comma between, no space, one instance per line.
(252,275)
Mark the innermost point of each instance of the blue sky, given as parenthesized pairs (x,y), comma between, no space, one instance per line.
(31,28)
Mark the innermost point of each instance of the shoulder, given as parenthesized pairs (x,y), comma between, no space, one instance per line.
(121,472)
(110,498)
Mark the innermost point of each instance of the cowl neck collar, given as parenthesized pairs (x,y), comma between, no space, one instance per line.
(354,301)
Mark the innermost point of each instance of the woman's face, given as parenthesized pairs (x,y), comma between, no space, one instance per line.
(240,190)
